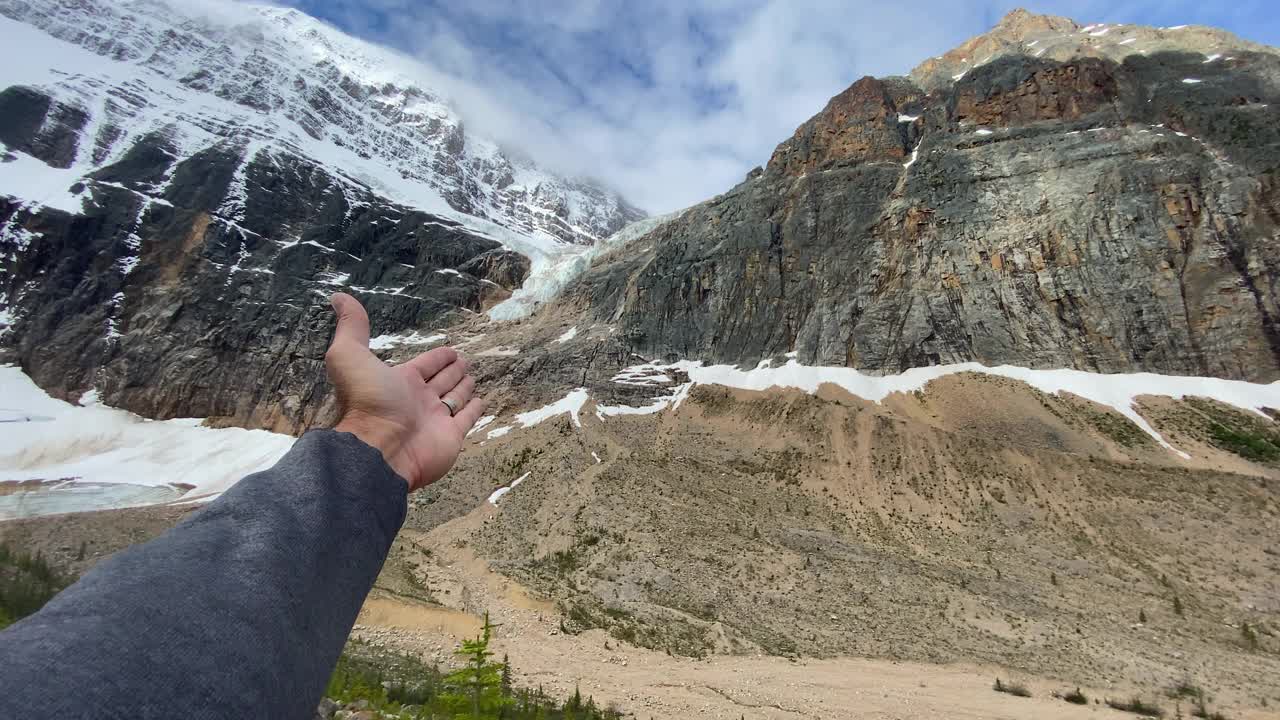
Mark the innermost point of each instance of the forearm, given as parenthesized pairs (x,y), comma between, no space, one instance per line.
(239,611)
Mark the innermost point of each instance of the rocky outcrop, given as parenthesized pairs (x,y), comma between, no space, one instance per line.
(1013,94)
(860,123)
(40,126)
(1059,40)
(1090,214)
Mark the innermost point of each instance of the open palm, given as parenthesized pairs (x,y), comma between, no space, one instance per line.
(400,409)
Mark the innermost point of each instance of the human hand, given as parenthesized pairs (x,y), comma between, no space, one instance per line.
(399,410)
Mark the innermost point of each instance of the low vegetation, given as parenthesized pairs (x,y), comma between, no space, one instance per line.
(27,582)
(1187,690)
(1236,432)
(1011,688)
(1118,428)
(1075,697)
(400,686)
(1137,706)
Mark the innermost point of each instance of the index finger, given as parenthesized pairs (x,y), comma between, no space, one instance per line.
(429,363)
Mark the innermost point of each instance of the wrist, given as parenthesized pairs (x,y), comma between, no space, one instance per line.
(383,436)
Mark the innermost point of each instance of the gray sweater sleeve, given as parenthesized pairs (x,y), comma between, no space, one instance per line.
(239,611)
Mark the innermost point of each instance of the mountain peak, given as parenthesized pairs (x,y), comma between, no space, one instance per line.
(1060,39)
(1020,22)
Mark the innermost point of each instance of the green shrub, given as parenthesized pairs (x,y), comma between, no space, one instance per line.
(1201,711)
(1136,706)
(27,582)
(1249,636)
(1075,697)
(1246,445)
(1011,688)
(480,689)
(1237,432)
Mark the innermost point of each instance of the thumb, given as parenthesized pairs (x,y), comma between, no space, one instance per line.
(353,321)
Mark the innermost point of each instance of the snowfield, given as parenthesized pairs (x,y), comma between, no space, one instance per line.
(42,438)
(1117,391)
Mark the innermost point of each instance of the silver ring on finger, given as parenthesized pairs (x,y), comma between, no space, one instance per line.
(452,405)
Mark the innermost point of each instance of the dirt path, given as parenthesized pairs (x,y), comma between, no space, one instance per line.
(653,684)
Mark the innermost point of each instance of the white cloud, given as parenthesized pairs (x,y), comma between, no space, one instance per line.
(669,102)
(669,105)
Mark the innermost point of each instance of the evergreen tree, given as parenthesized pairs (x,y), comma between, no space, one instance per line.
(1250,637)
(477,685)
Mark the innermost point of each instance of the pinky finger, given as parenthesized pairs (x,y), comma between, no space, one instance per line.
(467,416)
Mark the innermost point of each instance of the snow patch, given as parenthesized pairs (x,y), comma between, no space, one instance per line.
(907,118)
(657,406)
(648,375)
(568,335)
(502,491)
(28,179)
(481,424)
(99,444)
(384,342)
(984,131)
(1127,41)
(1211,58)
(1191,81)
(571,404)
(915,155)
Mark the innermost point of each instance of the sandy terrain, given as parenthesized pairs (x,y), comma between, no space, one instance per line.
(747,554)
(653,684)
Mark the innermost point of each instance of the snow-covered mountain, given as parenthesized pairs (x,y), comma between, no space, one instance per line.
(259,77)
(183,185)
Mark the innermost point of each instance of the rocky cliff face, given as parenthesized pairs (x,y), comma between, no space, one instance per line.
(1111,211)
(179,195)
(169,307)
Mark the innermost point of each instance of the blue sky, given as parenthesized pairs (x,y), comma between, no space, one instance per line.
(671,102)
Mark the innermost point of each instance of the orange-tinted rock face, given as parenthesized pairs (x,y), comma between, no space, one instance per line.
(859,124)
(1059,92)
(1086,214)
